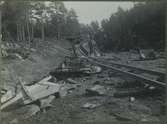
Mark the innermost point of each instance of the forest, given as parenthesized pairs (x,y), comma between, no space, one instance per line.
(142,26)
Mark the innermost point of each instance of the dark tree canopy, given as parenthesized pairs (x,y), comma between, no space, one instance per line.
(48,20)
(142,26)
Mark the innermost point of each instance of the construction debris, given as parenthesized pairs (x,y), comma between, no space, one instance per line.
(14,121)
(146,54)
(97,90)
(74,67)
(13,51)
(29,94)
(88,48)
(72,81)
(132,99)
(77,76)
(67,88)
(33,110)
(45,103)
(123,117)
(90,105)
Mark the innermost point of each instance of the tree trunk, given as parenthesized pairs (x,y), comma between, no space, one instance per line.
(23,32)
(17,25)
(58,32)
(32,32)
(42,31)
(20,33)
(28,34)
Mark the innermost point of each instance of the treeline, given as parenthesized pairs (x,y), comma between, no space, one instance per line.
(24,20)
(142,27)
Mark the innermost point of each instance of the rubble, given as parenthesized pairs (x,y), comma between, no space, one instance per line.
(88,48)
(129,83)
(132,99)
(29,94)
(14,121)
(135,92)
(95,85)
(140,108)
(123,117)
(33,110)
(46,102)
(67,88)
(96,82)
(74,67)
(97,90)
(146,54)
(90,105)
(114,81)
(71,81)
(13,51)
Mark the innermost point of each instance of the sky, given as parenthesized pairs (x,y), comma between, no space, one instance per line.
(91,11)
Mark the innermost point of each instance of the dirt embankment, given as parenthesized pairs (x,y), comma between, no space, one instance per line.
(43,58)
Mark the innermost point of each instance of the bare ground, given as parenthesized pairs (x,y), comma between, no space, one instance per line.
(69,109)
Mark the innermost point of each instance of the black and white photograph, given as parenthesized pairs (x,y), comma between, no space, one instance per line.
(67,62)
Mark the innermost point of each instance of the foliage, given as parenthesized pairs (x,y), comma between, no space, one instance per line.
(143,26)
(49,19)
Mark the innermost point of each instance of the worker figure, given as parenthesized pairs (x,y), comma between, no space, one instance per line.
(93,47)
(91,50)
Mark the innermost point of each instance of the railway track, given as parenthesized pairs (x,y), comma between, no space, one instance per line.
(117,67)
(130,67)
